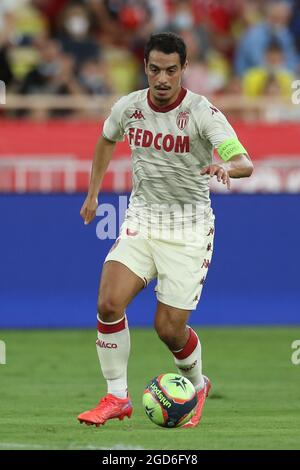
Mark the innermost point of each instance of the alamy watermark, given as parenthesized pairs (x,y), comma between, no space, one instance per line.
(295,358)
(2,352)
(2,92)
(185,222)
(296,93)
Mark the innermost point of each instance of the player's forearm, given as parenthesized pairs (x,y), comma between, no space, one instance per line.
(103,154)
(239,167)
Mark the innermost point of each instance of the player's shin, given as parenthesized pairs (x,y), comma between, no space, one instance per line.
(188,360)
(113,348)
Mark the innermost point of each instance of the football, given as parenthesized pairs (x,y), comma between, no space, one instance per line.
(169,400)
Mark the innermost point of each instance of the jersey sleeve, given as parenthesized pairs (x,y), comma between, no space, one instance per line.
(113,127)
(214,127)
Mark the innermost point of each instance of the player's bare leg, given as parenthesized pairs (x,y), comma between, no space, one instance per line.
(118,286)
(183,342)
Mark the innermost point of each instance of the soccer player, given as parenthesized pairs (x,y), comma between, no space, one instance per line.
(172,133)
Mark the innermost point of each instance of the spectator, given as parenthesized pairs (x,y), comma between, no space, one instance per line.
(270,79)
(7,20)
(21,25)
(6,75)
(50,9)
(251,50)
(30,23)
(21,22)
(99,45)
(122,68)
(124,28)
(75,37)
(183,18)
(295,24)
(6,25)
(199,76)
(159,13)
(93,78)
(218,17)
(54,74)
(233,86)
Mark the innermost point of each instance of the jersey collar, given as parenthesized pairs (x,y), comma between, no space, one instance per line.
(165,109)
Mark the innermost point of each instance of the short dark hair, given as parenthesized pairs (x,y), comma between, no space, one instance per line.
(166,43)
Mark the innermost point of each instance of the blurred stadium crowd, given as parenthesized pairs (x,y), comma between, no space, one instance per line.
(95,47)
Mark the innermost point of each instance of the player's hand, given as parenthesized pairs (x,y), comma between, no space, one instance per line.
(219,171)
(88,210)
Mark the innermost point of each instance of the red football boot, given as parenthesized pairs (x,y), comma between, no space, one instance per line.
(202,395)
(109,407)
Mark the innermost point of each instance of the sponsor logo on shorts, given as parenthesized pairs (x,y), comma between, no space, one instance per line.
(103,344)
(131,233)
(205,263)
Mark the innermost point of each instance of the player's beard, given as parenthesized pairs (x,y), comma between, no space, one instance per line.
(163,100)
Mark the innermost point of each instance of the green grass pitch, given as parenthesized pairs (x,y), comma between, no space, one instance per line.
(52,376)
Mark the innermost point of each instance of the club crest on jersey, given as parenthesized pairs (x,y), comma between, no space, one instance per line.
(182,120)
(137,114)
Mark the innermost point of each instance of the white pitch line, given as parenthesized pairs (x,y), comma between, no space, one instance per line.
(72,446)
(16,445)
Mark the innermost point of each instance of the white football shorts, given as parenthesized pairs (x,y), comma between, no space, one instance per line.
(180,265)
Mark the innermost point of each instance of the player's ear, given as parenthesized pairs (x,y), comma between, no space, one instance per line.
(145,64)
(184,66)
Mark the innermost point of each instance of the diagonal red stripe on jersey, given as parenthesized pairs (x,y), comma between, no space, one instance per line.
(189,347)
(108,328)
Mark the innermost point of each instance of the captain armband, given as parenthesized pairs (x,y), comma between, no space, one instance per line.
(230,148)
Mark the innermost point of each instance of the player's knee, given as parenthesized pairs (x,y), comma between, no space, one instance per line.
(109,309)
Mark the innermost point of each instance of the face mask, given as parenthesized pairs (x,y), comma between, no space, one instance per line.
(77,25)
(92,81)
(273,69)
(49,69)
(183,21)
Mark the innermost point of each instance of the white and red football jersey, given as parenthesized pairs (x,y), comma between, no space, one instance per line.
(169,147)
